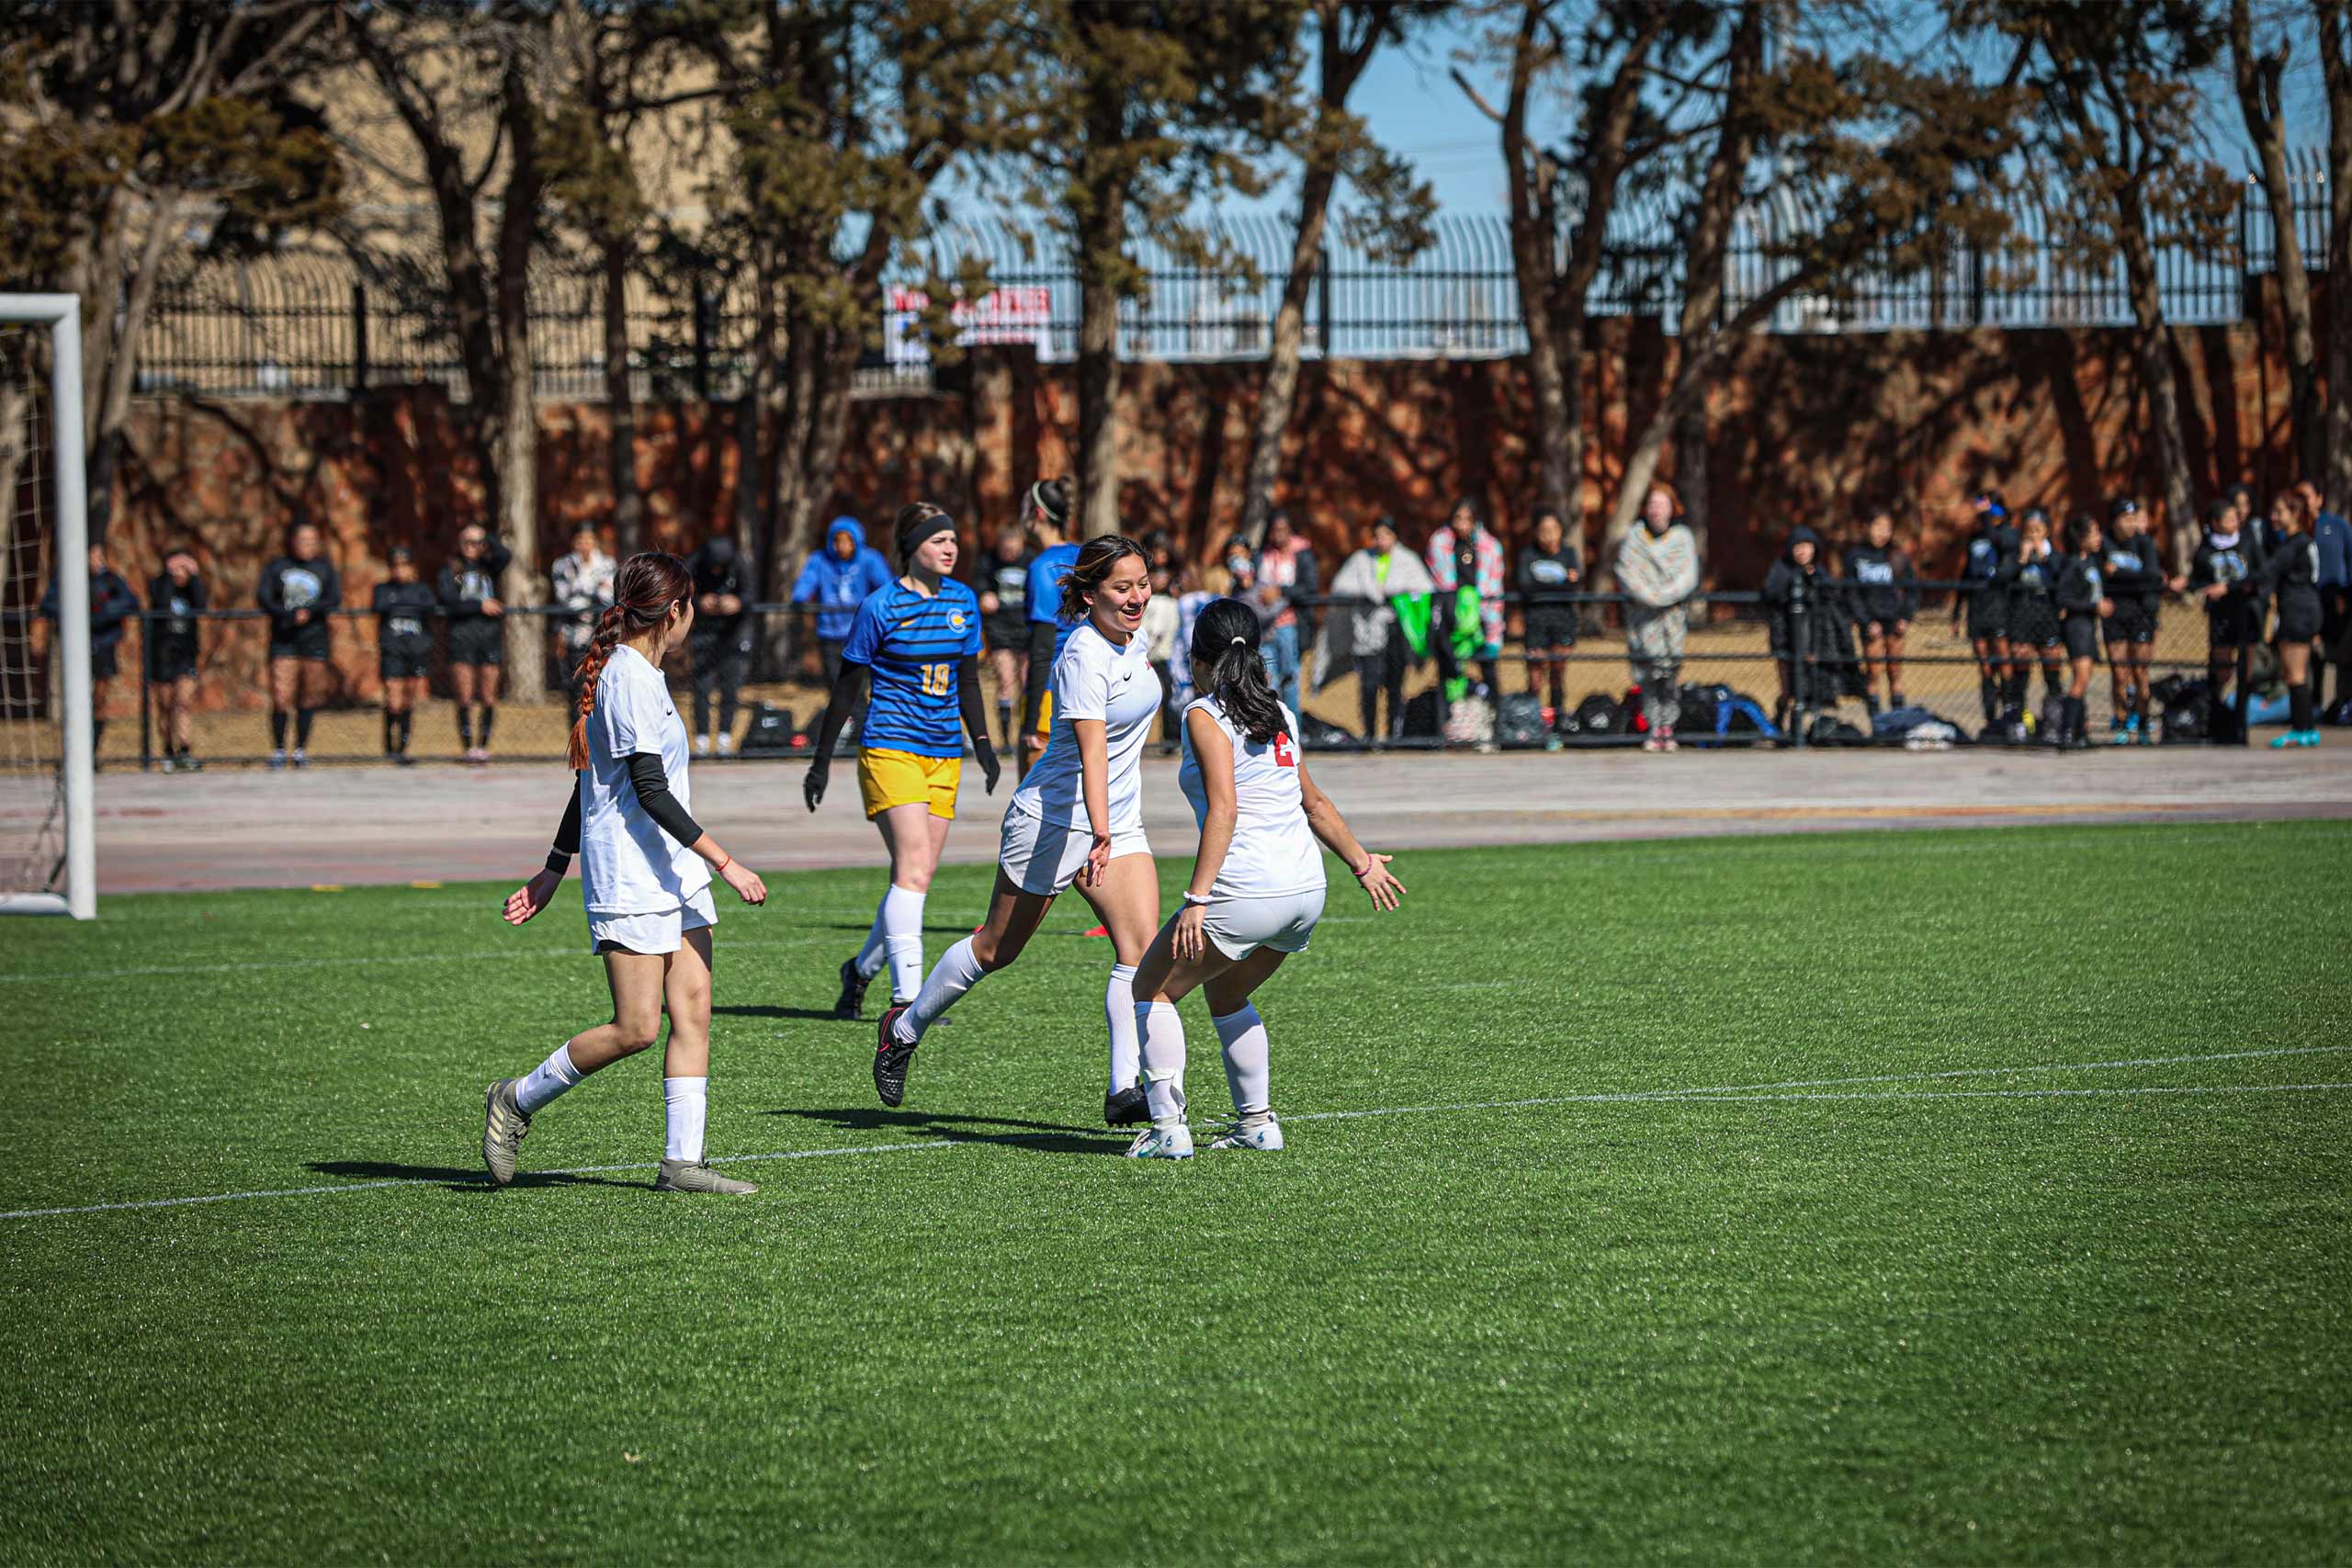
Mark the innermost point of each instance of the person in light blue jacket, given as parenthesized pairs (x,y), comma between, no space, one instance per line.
(837,580)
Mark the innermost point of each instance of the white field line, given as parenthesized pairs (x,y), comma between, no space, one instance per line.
(579,950)
(1726,1094)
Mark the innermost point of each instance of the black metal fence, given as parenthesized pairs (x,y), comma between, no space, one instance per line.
(320,323)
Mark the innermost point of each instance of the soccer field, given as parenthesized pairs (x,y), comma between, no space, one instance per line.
(1957,1197)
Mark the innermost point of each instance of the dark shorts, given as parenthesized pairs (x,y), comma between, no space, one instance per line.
(2334,616)
(2299,615)
(166,663)
(477,642)
(2034,624)
(2132,623)
(2082,637)
(400,664)
(1988,614)
(1550,627)
(1888,625)
(1006,631)
(2233,623)
(310,643)
(103,662)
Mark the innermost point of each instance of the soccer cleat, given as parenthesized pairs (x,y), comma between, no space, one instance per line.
(1098,930)
(850,1003)
(2308,737)
(890,1058)
(1665,739)
(1127,1108)
(503,1124)
(725,744)
(277,759)
(168,765)
(695,1176)
(1162,1143)
(300,758)
(1265,1137)
(702,745)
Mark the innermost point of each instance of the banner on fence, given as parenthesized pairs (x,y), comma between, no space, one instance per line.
(1019,315)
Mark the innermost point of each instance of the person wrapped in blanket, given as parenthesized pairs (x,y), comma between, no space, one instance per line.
(1657,570)
(1806,610)
(1379,625)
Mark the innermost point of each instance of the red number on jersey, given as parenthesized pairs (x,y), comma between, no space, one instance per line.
(1286,755)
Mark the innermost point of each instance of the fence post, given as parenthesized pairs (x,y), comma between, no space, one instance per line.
(146,697)
(1975,286)
(1323,301)
(702,344)
(359,336)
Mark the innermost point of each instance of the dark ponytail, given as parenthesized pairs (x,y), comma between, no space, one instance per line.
(1225,638)
(650,585)
(1092,568)
(1049,498)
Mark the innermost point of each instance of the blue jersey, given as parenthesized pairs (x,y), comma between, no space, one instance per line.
(1045,591)
(913,644)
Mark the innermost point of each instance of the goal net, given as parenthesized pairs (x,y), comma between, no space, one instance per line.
(47,863)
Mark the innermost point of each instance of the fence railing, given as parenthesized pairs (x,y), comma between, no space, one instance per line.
(770,699)
(318,323)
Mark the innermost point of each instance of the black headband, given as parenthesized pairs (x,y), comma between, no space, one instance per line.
(920,531)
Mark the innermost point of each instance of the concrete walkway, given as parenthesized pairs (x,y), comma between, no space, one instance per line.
(240,829)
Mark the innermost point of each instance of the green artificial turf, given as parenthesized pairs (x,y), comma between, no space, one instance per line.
(1907,1318)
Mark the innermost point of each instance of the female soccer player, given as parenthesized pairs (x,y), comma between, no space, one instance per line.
(1883,592)
(1045,513)
(917,643)
(1991,549)
(1078,816)
(2135,584)
(476,630)
(2083,602)
(1549,575)
(405,609)
(299,589)
(646,876)
(2032,584)
(2225,573)
(1004,622)
(2291,573)
(175,598)
(1257,888)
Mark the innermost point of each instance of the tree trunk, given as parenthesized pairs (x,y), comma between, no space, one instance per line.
(2152,348)
(1690,470)
(2336,478)
(515,443)
(620,397)
(1279,394)
(1098,397)
(2258,98)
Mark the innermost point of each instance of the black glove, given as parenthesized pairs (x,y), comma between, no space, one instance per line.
(812,788)
(991,769)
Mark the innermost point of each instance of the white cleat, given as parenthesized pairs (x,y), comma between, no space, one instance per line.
(1162,1143)
(1265,1137)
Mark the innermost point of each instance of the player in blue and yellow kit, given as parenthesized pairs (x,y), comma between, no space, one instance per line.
(917,644)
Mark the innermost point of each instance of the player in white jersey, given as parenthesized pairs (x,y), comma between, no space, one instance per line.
(1257,888)
(646,874)
(1077,817)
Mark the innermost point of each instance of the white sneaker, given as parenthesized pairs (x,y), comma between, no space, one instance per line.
(702,745)
(727,745)
(1158,1143)
(1265,1137)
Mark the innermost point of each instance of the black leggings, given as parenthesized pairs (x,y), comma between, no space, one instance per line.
(720,668)
(1376,673)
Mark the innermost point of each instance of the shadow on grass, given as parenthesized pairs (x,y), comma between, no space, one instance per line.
(822,1015)
(868,925)
(455,1179)
(1046,1137)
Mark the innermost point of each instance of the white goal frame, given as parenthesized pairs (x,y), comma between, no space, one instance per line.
(61,314)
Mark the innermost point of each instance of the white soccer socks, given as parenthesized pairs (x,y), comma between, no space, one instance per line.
(901,919)
(876,952)
(1163,1061)
(956,972)
(1246,1071)
(546,1080)
(686,1103)
(1120,1012)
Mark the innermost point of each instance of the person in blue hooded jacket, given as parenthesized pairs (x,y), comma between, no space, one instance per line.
(838,579)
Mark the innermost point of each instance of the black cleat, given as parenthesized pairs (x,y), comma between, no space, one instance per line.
(891,1059)
(1128,1108)
(852,1003)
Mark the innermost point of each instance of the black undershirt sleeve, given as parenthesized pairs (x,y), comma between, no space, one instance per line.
(567,832)
(653,788)
(1041,673)
(849,695)
(975,724)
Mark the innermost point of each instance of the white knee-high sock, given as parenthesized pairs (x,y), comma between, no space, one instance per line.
(1119,1011)
(871,957)
(956,972)
(548,1079)
(1247,1072)
(902,934)
(686,1103)
(1163,1061)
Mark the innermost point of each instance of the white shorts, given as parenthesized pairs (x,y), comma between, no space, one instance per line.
(662,932)
(1282,922)
(1046,857)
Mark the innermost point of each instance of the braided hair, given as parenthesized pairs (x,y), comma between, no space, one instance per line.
(650,585)
(1225,639)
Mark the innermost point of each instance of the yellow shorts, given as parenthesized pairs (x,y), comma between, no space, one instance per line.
(886,779)
(1046,714)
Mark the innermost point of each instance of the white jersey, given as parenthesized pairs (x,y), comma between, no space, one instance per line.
(1274,851)
(628,865)
(1095,678)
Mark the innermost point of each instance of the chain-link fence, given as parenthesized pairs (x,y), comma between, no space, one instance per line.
(762,702)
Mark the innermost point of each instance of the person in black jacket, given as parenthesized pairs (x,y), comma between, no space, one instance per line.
(175,598)
(299,590)
(111,606)
(1883,591)
(1984,598)
(2226,573)
(2083,602)
(1804,604)
(2291,573)
(2035,633)
(2135,585)
(1547,579)
(405,610)
(720,643)
(469,594)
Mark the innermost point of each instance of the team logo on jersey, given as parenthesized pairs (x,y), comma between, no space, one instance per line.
(1285,754)
(956,619)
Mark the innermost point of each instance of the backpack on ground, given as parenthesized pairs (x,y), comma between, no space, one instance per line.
(772,732)
(1597,715)
(1519,722)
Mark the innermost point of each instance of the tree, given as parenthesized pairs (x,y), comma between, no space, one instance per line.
(131,135)
(2335,63)
(1391,217)
(2118,117)
(1141,113)
(447,69)
(2258,74)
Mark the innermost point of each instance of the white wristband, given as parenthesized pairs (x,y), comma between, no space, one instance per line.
(1198,900)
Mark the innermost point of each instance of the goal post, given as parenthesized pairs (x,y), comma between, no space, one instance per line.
(48,861)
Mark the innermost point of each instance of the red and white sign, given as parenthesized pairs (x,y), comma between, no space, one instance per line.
(1002,315)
